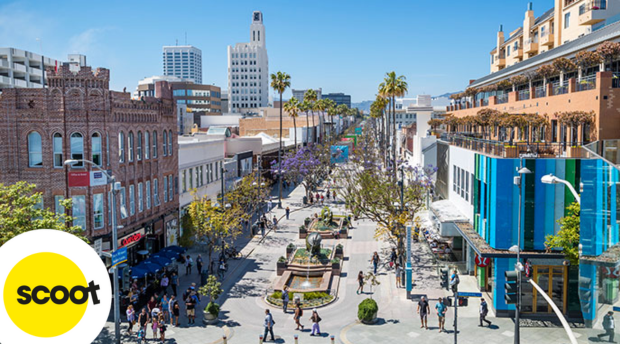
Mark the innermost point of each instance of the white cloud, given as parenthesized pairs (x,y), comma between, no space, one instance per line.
(87,42)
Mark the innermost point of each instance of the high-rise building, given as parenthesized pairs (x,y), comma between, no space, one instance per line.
(248,70)
(299,94)
(183,61)
(339,98)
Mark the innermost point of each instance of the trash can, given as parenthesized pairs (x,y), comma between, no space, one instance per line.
(204,274)
(305,200)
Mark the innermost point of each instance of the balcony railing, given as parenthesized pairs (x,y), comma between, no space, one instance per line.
(524,94)
(558,88)
(615,81)
(516,149)
(502,98)
(485,102)
(539,92)
(593,5)
(586,84)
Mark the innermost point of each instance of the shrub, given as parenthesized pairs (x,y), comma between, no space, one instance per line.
(339,246)
(282,259)
(291,246)
(336,260)
(367,310)
(213,308)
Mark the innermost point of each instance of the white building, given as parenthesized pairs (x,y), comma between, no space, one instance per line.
(248,70)
(150,91)
(299,94)
(183,61)
(23,69)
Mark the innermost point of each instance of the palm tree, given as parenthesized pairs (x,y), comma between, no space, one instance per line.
(330,107)
(292,107)
(341,110)
(304,107)
(320,106)
(392,87)
(310,97)
(280,81)
(379,107)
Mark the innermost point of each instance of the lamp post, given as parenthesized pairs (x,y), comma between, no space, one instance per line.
(518,180)
(223,175)
(115,188)
(551,179)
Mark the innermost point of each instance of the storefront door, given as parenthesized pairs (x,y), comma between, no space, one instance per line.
(553,280)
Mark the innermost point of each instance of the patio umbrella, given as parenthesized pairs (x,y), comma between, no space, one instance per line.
(161,260)
(167,254)
(175,248)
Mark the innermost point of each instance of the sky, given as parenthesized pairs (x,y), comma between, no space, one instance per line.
(338,45)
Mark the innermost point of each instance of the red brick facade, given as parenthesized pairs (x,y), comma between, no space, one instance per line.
(81,103)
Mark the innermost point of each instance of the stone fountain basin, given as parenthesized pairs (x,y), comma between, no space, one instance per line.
(320,281)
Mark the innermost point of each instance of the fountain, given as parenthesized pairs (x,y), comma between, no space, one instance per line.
(313,246)
(326,224)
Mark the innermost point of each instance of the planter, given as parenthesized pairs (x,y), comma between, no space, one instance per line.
(339,252)
(209,319)
(370,321)
(511,152)
(289,251)
(335,268)
(574,152)
(307,222)
(280,268)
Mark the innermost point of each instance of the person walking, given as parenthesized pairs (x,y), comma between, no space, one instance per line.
(375,261)
(176,312)
(174,282)
(297,317)
(285,299)
(423,310)
(155,326)
(316,319)
(221,270)
(275,223)
(360,281)
(190,305)
(484,310)
(268,324)
(609,324)
(262,225)
(188,265)
(171,303)
(131,318)
(199,264)
(454,280)
(162,327)
(322,199)
(269,205)
(165,307)
(393,257)
(143,320)
(334,195)
(398,272)
(441,314)
(151,304)
(328,194)
(288,212)
(165,281)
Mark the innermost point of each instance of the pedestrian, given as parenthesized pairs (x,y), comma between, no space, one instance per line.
(334,195)
(155,312)
(165,281)
(609,324)
(484,310)
(221,269)
(360,281)
(375,261)
(423,310)
(318,197)
(151,304)
(155,326)
(399,271)
(190,305)
(165,307)
(162,327)
(393,257)
(311,199)
(298,314)
(269,205)
(268,326)
(188,265)
(143,320)
(176,311)
(131,318)
(328,194)
(174,281)
(322,199)
(288,212)
(199,264)
(171,303)
(285,298)
(316,319)
(275,223)
(262,225)
(441,313)
(454,280)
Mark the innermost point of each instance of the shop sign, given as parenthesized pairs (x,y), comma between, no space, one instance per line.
(131,238)
(79,179)
(98,178)
(482,262)
(171,233)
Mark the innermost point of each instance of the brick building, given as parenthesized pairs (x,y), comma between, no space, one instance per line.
(78,117)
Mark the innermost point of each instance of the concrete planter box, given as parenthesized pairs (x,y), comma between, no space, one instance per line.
(280,267)
(209,319)
(336,268)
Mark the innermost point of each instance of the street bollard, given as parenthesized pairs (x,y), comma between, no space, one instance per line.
(224,341)
(332,338)
(260,339)
(296,339)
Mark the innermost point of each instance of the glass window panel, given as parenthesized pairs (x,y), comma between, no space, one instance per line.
(79,211)
(96,149)
(77,148)
(98,210)
(57,143)
(35,153)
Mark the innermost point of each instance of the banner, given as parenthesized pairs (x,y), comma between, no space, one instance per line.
(339,154)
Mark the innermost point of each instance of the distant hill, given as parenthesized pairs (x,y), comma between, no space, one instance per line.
(364,106)
(446,95)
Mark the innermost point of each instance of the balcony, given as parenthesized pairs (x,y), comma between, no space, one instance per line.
(518,53)
(21,83)
(4,63)
(20,67)
(530,47)
(546,39)
(499,60)
(592,12)
(507,149)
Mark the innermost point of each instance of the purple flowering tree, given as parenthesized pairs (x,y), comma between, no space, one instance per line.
(305,166)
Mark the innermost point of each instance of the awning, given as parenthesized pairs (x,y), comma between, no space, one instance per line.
(483,249)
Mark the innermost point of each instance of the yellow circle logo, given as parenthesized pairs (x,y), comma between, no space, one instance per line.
(46,294)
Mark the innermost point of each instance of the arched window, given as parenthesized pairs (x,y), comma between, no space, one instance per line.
(147,145)
(35,152)
(130,146)
(164,143)
(57,145)
(139,151)
(121,147)
(170,143)
(154,144)
(77,149)
(96,149)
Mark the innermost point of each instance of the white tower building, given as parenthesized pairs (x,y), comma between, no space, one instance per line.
(248,70)
(183,61)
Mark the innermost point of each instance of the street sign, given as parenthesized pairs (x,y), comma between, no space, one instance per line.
(464,294)
(616,309)
(482,262)
(99,246)
(119,256)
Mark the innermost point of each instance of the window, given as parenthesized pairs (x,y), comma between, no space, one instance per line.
(130,146)
(57,143)
(147,147)
(96,149)
(139,151)
(197,177)
(567,20)
(148,194)
(170,143)
(35,153)
(132,200)
(170,187)
(58,208)
(508,50)
(191,178)
(98,210)
(123,206)
(140,198)
(77,148)
(155,192)
(154,144)
(79,211)
(121,147)
(201,176)
(165,189)
(165,137)
(184,181)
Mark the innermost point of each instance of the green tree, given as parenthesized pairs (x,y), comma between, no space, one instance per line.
(20,212)
(212,290)
(567,238)
(292,107)
(280,81)
(393,86)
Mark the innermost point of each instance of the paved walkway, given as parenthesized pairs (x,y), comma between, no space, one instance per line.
(249,279)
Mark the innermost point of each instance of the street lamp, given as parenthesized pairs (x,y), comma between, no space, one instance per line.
(518,180)
(551,179)
(116,186)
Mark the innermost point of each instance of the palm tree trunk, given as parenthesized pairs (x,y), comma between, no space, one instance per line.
(307,128)
(280,159)
(394,136)
(295,128)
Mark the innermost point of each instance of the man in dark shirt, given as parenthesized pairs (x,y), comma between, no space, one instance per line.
(423,310)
